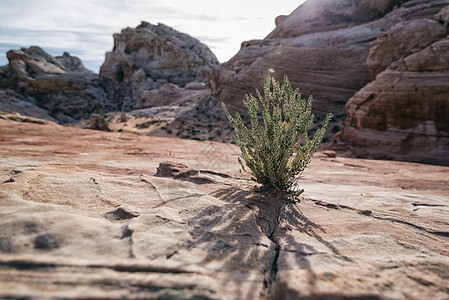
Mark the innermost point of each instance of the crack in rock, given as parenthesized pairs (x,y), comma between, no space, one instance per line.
(268,218)
(99,196)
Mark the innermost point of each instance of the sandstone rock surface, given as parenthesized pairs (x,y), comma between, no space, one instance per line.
(401,40)
(83,216)
(148,56)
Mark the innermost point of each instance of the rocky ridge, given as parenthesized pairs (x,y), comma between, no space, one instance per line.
(82,215)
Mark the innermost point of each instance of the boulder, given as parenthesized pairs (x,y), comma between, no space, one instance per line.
(98,122)
(148,56)
(175,170)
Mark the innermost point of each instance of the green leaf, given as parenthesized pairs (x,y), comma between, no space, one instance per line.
(277,150)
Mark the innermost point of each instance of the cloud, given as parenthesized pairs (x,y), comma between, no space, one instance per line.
(212,39)
(90,46)
(85,27)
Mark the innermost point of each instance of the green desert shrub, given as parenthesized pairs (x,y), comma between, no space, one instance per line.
(276,147)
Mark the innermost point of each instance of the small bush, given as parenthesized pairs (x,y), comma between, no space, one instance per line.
(277,150)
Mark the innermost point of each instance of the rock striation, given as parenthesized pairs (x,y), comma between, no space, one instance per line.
(401,40)
(83,216)
(147,57)
(403,113)
(325,47)
(55,88)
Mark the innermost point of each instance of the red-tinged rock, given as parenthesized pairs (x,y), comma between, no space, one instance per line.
(175,170)
(98,122)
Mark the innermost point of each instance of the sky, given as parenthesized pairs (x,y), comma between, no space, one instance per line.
(84,28)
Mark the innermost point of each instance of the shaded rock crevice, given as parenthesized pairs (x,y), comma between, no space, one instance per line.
(268,224)
(128,233)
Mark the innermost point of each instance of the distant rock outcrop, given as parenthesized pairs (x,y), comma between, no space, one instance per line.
(82,217)
(147,57)
(57,87)
(149,66)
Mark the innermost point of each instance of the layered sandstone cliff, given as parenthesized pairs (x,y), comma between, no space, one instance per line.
(403,113)
(322,46)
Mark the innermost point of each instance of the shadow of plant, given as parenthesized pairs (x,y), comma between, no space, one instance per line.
(293,219)
(235,238)
(245,233)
